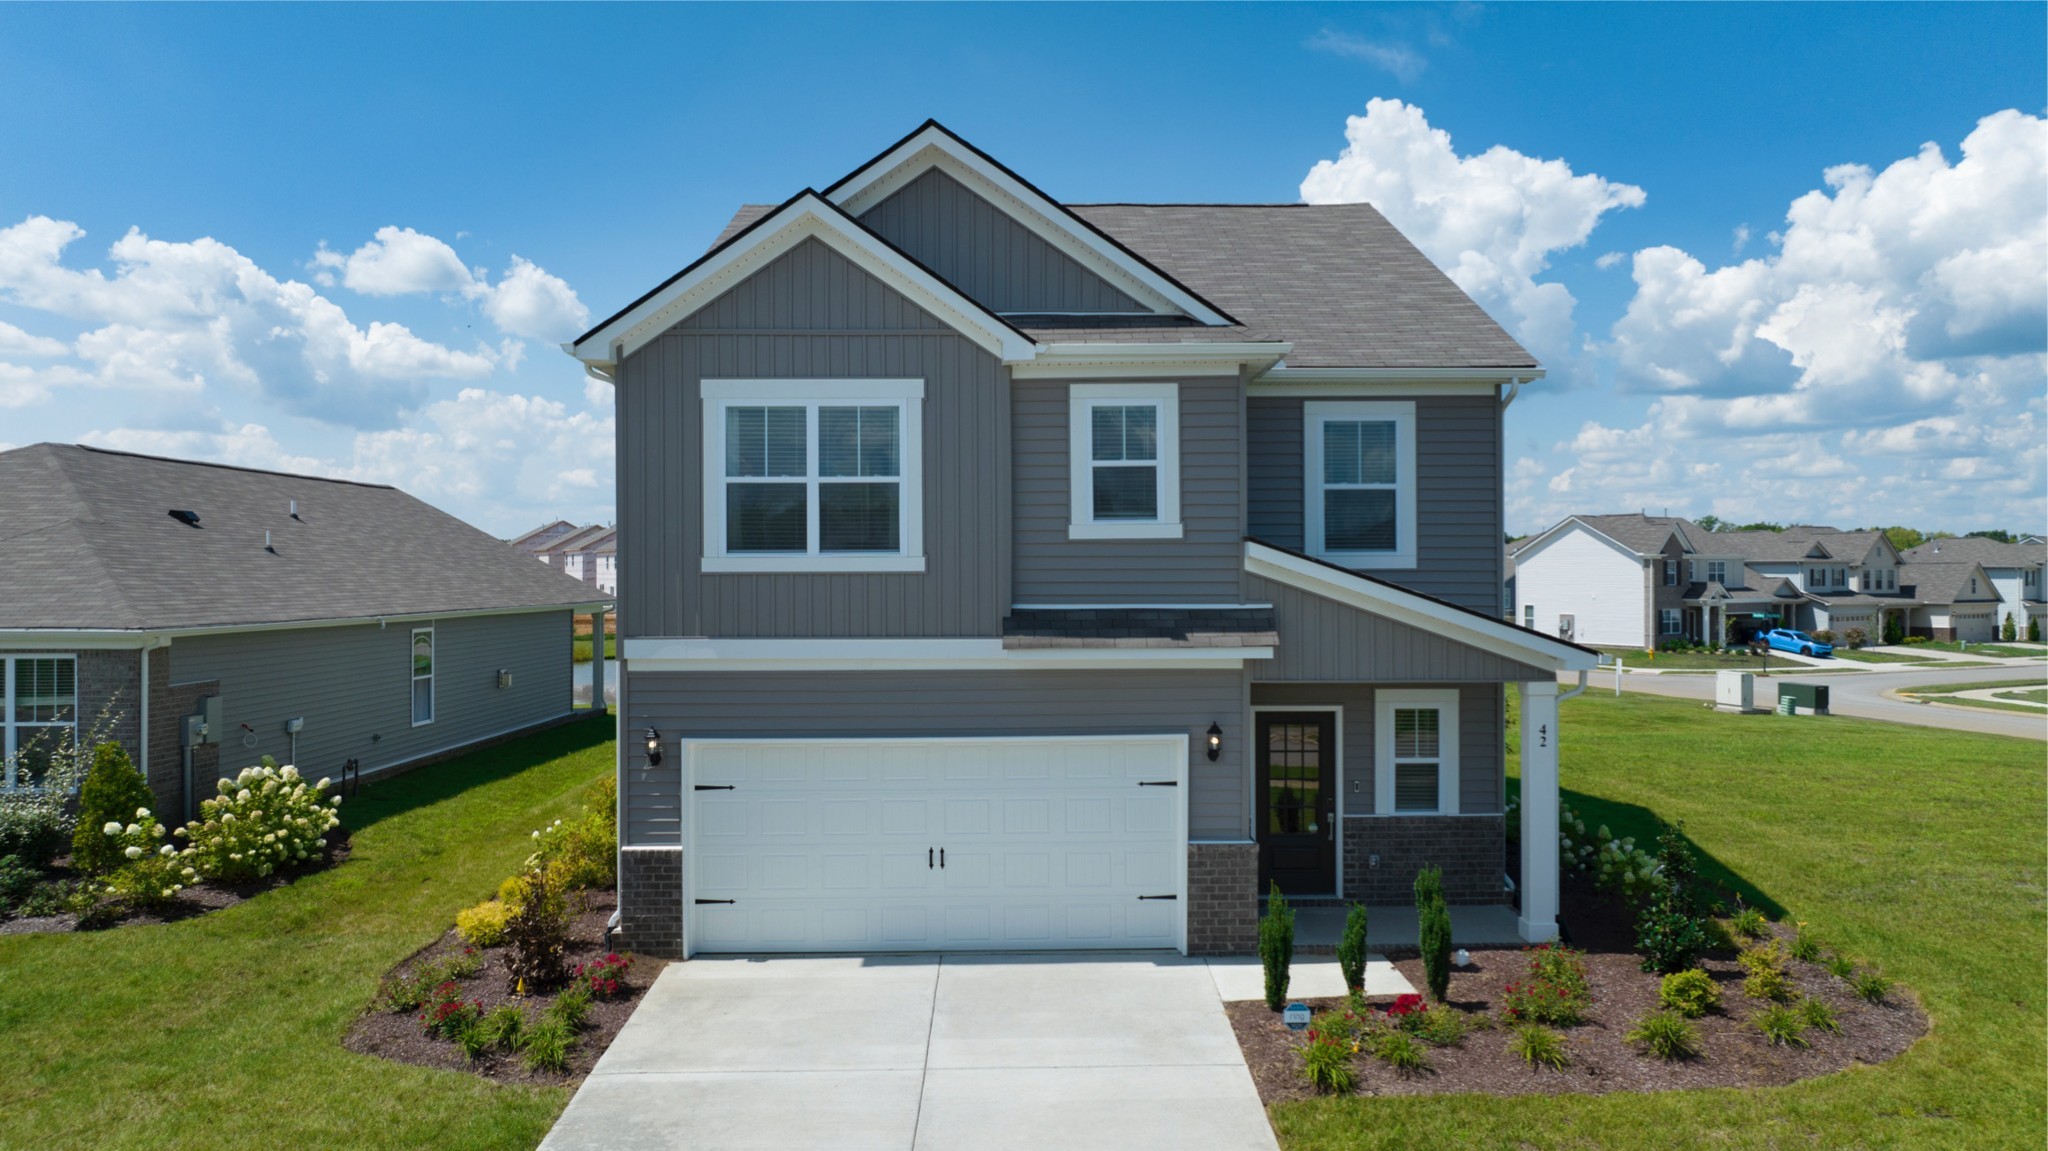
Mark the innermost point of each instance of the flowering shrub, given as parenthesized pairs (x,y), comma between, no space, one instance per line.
(584,852)
(264,819)
(447,1016)
(1554,991)
(111,790)
(1616,866)
(605,976)
(1404,1006)
(151,871)
(537,931)
(1326,1062)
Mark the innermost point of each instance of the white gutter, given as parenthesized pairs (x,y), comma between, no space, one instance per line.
(89,637)
(1577,690)
(1282,374)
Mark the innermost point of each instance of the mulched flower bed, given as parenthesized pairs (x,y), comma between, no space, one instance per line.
(1733,1052)
(398,1035)
(195,900)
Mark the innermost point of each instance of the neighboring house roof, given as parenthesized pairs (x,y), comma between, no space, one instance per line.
(1140,627)
(1979,550)
(537,540)
(1632,532)
(1941,583)
(580,540)
(88,540)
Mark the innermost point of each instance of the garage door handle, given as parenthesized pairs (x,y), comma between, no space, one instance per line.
(714,787)
(927,859)
(1159,897)
(1158,783)
(717,901)
(942,859)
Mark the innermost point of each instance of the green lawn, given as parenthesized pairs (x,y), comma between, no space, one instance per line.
(582,648)
(225,1031)
(1689,660)
(2037,695)
(1860,656)
(1945,693)
(1915,848)
(1984,649)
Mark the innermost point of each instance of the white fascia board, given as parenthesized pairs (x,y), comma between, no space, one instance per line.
(806,217)
(79,639)
(1489,377)
(933,148)
(729,655)
(1543,539)
(1418,611)
(1107,360)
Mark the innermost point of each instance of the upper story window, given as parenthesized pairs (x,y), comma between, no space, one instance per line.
(1124,461)
(1670,573)
(813,476)
(39,694)
(1359,489)
(1717,572)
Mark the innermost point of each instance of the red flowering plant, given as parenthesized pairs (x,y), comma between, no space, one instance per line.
(446,1015)
(1404,1005)
(605,976)
(1555,991)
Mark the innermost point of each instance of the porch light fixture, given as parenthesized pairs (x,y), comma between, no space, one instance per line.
(1215,742)
(653,748)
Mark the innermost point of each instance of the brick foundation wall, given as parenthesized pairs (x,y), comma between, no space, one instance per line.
(1471,849)
(1223,898)
(651,902)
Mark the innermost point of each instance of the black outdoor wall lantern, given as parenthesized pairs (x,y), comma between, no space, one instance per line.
(1215,742)
(653,748)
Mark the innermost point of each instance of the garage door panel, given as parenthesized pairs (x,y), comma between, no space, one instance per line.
(828,845)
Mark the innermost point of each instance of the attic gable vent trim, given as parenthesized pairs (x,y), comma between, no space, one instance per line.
(188,518)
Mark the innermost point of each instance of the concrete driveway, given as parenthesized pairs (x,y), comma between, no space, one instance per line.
(930,1052)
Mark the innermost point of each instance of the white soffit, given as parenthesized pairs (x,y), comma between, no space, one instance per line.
(933,147)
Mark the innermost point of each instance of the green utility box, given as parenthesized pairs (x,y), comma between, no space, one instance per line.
(1810,698)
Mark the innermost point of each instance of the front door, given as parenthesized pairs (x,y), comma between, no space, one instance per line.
(1297,795)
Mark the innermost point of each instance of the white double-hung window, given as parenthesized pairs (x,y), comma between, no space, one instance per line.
(422,676)
(1359,482)
(1416,771)
(1123,452)
(813,476)
(39,694)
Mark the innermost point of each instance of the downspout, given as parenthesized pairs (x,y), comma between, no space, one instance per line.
(142,706)
(1577,690)
(1508,397)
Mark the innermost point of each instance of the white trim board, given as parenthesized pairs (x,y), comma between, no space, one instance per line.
(1499,637)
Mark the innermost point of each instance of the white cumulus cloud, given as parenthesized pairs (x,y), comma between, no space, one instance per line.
(526,301)
(397,261)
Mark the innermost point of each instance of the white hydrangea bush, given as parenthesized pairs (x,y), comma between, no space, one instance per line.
(1615,865)
(156,871)
(264,819)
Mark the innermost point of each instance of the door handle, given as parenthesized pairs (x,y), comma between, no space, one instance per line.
(927,859)
(942,859)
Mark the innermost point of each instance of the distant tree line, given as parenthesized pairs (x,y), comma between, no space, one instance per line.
(1901,537)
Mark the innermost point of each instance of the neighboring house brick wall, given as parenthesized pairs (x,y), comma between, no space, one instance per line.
(650,902)
(168,706)
(1223,898)
(1666,597)
(1471,849)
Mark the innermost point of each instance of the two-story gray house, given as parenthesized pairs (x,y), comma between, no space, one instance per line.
(1003,573)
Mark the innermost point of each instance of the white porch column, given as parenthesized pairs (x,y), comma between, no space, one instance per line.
(597,660)
(1538,921)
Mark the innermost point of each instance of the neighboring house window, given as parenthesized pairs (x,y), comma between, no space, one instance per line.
(1670,573)
(422,676)
(1418,752)
(1359,489)
(1123,448)
(41,717)
(1717,572)
(1973,585)
(813,475)
(1692,569)
(1529,616)
(1667,621)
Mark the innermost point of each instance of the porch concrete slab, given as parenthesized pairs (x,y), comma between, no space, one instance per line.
(1085,1109)
(1393,926)
(1077,1011)
(836,1013)
(753,1111)
(1242,980)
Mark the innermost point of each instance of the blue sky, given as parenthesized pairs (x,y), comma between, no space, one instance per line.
(1613,182)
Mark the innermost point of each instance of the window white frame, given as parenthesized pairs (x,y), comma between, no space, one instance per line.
(1082,400)
(1670,573)
(1400,413)
(1529,616)
(907,396)
(1385,702)
(1717,572)
(1668,622)
(414,678)
(12,731)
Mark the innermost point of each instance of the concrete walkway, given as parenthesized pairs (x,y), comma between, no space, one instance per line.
(923,1053)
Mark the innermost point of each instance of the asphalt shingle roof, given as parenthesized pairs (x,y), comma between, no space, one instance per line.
(87,541)
(1977,549)
(1640,533)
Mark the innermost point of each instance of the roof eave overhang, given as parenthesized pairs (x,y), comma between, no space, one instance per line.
(46,638)
(1416,610)
(1281,374)
(1081,358)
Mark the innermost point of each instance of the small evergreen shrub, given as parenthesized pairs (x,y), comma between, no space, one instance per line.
(482,925)
(1351,948)
(1667,1035)
(1326,1061)
(1871,986)
(1433,922)
(537,932)
(1276,947)
(2034,630)
(1819,1016)
(2010,630)
(112,790)
(1689,993)
(1783,1026)
(1767,977)
(1539,1046)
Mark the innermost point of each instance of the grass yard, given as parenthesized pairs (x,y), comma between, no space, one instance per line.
(2036,695)
(225,1031)
(1982,648)
(582,647)
(1689,660)
(1945,693)
(1919,850)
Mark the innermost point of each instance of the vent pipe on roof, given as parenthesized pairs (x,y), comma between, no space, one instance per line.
(295,509)
(266,542)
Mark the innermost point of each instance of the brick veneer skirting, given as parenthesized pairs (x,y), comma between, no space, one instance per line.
(651,902)
(1470,848)
(1223,898)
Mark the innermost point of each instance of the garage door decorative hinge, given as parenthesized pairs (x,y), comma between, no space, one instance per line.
(1159,897)
(714,787)
(717,901)
(1158,783)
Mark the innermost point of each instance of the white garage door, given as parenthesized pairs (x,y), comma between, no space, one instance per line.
(1975,627)
(895,845)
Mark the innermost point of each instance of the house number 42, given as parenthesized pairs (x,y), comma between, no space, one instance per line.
(1543,735)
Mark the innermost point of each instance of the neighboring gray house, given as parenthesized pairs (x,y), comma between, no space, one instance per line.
(536,542)
(324,620)
(1003,573)
(2014,571)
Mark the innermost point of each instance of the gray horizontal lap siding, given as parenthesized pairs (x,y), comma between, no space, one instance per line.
(1458,492)
(1326,641)
(774,705)
(811,313)
(988,255)
(1481,730)
(1204,566)
(351,684)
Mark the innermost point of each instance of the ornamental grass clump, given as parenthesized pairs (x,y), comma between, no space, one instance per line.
(1749,923)
(1326,1061)
(113,790)
(1818,1015)
(1871,986)
(1400,1050)
(1667,1035)
(1783,1026)
(265,819)
(1805,947)
(152,872)
(1539,1046)
(1276,947)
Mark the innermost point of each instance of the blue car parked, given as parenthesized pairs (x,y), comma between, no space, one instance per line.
(1794,640)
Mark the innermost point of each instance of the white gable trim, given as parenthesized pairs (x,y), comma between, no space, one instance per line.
(806,217)
(1419,611)
(933,147)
